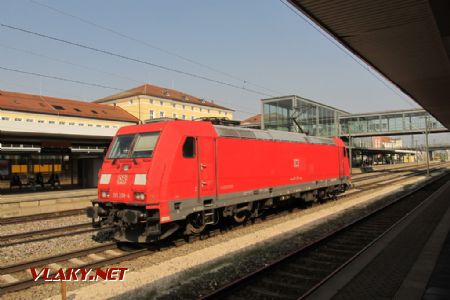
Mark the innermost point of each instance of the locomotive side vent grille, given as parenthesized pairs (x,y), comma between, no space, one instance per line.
(273,135)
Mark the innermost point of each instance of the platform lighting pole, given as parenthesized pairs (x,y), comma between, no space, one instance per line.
(426,146)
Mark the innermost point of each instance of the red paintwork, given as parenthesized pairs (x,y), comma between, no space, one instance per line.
(239,164)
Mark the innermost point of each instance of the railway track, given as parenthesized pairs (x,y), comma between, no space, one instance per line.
(19,277)
(377,174)
(43,216)
(298,274)
(45,234)
(108,254)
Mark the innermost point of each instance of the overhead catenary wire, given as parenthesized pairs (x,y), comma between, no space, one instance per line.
(82,82)
(147,44)
(61,79)
(29,52)
(350,55)
(89,68)
(137,60)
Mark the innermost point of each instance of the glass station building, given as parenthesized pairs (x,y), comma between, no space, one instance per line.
(291,112)
(312,117)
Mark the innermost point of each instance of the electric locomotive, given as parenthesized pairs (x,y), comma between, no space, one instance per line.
(175,175)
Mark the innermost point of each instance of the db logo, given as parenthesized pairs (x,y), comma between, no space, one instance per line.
(122,179)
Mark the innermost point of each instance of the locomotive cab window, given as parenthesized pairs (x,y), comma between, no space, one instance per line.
(189,147)
(134,145)
(145,144)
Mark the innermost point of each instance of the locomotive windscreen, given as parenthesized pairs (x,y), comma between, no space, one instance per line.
(134,145)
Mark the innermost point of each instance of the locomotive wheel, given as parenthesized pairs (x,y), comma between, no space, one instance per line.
(195,224)
(240,217)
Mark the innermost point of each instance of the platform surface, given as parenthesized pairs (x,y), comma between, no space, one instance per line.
(410,262)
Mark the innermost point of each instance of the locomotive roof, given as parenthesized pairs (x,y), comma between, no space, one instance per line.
(273,135)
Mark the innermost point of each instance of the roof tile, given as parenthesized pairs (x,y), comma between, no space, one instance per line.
(57,106)
(160,92)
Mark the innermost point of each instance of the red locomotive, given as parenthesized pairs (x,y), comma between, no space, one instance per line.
(171,175)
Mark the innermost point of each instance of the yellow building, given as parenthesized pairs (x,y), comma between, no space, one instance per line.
(150,102)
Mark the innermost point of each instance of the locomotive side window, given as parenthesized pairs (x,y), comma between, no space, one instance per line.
(189,147)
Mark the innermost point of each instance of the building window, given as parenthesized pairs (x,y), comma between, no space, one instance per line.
(29,120)
(71,123)
(200,109)
(131,101)
(18,119)
(58,107)
(184,106)
(62,122)
(220,112)
(94,112)
(192,117)
(209,111)
(80,124)
(174,116)
(152,114)
(106,126)
(77,109)
(192,107)
(183,117)
(98,125)
(150,101)
(160,102)
(51,122)
(174,105)
(40,121)
(161,114)
(90,125)
(114,126)
(5,118)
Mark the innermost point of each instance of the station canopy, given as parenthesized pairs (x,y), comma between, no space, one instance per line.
(408,41)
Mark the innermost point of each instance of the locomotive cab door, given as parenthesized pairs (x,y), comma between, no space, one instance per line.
(341,154)
(207,169)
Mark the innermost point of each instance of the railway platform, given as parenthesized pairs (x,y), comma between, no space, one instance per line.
(412,261)
(23,204)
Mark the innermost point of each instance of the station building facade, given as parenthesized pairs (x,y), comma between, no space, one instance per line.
(45,137)
(150,102)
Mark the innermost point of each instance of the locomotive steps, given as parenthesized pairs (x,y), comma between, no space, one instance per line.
(169,273)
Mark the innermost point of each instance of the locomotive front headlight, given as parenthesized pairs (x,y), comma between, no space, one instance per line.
(140,179)
(105,194)
(139,196)
(105,178)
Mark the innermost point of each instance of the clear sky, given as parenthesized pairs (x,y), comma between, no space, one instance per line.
(260,41)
